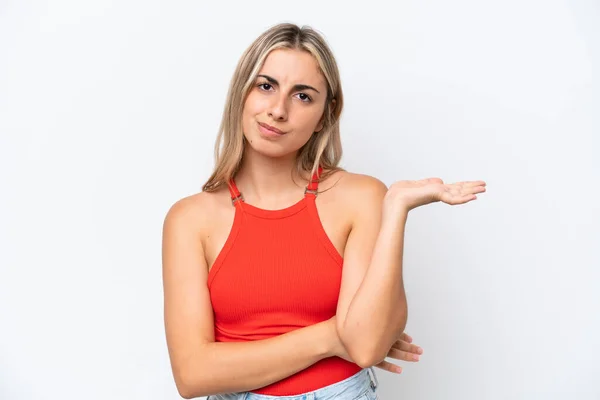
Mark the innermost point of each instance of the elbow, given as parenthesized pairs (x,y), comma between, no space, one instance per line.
(364,362)
(191,377)
(356,347)
(367,352)
(368,358)
(188,387)
(183,387)
(362,353)
(184,393)
(188,391)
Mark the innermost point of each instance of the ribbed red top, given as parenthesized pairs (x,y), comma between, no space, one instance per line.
(277,272)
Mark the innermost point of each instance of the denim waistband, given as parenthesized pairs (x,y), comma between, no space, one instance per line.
(364,383)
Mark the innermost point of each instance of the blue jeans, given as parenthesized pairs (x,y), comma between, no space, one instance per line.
(360,386)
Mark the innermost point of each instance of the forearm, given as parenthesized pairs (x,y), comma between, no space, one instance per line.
(224,367)
(378,312)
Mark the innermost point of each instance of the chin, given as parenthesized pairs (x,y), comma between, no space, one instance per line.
(267,148)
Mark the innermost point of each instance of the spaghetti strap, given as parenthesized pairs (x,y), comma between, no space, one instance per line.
(313,185)
(234,191)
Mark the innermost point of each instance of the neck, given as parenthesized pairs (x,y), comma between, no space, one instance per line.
(268,179)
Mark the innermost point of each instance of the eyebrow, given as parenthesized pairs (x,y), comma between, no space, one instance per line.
(296,87)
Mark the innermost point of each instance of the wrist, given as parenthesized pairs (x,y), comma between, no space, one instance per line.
(394,210)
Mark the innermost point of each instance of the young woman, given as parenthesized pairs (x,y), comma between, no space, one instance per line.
(283,277)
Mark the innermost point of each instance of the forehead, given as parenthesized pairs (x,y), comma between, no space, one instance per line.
(293,66)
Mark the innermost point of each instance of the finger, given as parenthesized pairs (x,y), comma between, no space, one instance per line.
(473,188)
(407,347)
(454,196)
(471,194)
(465,188)
(405,337)
(389,367)
(455,199)
(471,183)
(403,355)
(464,193)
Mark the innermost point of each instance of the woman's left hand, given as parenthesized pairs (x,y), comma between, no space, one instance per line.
(412,194)
(402,349)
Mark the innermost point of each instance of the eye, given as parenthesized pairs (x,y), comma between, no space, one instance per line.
(306,98)
(261,85)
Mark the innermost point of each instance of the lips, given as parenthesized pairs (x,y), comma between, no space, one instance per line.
(271,128)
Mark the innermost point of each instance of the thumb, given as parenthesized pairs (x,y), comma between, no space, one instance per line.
(435,180)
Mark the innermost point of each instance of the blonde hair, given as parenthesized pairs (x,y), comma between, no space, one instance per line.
(323,148)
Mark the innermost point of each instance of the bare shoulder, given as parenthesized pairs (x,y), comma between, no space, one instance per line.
(358,190)
(197,211)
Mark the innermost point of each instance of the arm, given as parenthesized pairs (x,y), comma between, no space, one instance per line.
(200,366)
(372,309)
(371,319)
(244,366)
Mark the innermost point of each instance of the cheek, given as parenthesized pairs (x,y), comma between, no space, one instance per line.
(254,104)
(248,112)
(310,118)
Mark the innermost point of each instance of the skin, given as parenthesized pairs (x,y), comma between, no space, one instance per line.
(362,217)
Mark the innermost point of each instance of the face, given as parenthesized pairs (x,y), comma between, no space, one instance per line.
(286,103)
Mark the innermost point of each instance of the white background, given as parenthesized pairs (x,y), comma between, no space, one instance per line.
(108,115)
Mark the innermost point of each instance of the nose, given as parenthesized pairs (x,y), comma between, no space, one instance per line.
(278,110)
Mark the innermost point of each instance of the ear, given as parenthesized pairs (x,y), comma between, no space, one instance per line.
(322,121)
(320,126)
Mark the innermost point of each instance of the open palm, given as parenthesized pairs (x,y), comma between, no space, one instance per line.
(412,194)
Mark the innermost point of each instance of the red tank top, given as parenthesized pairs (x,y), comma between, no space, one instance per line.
(277,272)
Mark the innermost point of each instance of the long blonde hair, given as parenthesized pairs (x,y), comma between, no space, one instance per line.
(323,148)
